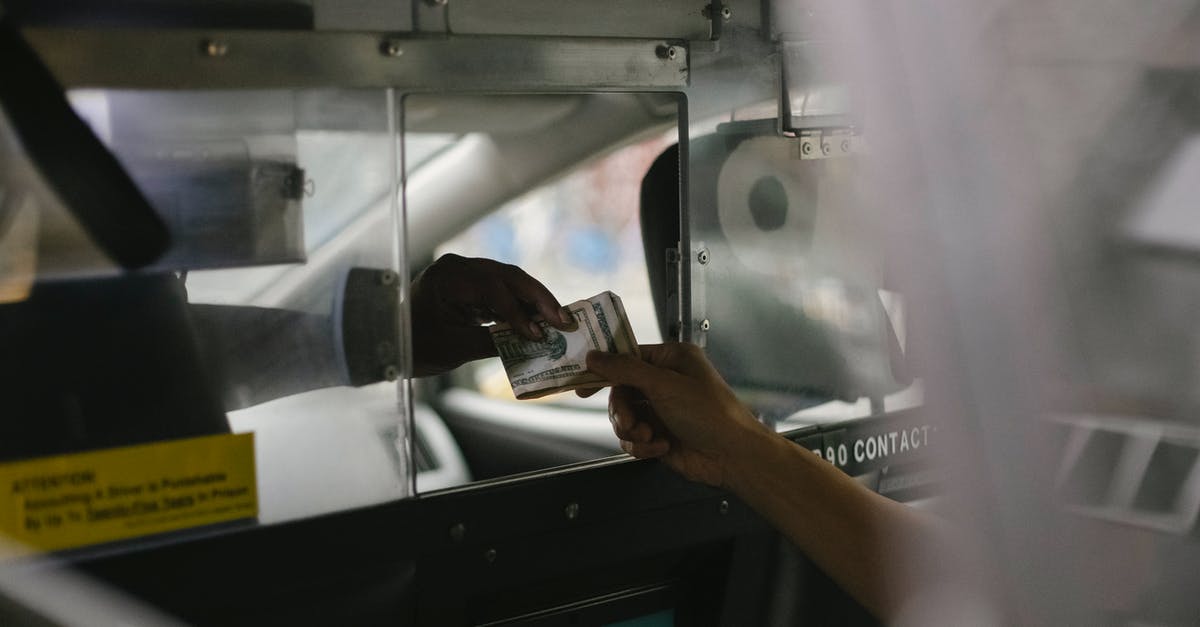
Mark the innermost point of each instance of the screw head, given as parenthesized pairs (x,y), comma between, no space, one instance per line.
(458,531)
(214,48)
(723,507)
(489,555)
(667,52)
(391,373)
(705,325)
(702,256)
(571,511)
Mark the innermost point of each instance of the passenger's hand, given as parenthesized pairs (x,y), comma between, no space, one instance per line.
(455,295)
(672,404)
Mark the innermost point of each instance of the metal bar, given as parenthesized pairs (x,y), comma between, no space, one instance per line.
(671,19)
(196,59)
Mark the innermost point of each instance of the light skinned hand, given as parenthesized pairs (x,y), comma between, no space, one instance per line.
(455,295)
(672,404)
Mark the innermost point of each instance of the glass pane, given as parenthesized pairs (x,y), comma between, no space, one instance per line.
(788,291)
(561,201)
(276,312)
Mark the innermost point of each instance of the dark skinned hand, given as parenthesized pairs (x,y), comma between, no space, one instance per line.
(455,295)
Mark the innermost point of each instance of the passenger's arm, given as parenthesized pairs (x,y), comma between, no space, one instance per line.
(675,406)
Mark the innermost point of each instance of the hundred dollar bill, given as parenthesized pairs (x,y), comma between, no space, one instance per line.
(557,363)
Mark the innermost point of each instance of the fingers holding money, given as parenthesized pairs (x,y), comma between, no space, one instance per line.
(531,292)
(632,369)
(455,295)
(586,392)
(558,362)
(470,291)
(521,301)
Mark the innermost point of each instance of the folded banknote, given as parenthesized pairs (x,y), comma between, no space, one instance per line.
(557,362)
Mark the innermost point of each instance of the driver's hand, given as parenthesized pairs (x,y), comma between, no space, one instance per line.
(455,295)
(672,404)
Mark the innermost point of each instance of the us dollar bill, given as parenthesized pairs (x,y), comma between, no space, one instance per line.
(558,362)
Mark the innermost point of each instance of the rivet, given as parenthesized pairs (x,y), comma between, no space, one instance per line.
(458,531)
(571,511)
(214,48)
(702,256)
(489,555)
(392,48)
(667,52)
(387,277)
(723,507)
(391,373)
(705,325)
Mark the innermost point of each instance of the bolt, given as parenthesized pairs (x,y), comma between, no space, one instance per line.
(667,52)
(702,256)
(723,507)
(571,511)
(705,325)
(490,555)
(726,13)
(392,48)
(387,277)
(391,373)
(214,48)
(458,531)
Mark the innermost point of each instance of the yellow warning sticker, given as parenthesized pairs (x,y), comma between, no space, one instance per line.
(69,501)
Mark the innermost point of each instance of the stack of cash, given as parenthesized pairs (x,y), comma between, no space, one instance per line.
(557,362)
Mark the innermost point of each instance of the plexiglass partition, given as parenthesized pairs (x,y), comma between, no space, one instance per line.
(277,311)
(789,288)
(550,183)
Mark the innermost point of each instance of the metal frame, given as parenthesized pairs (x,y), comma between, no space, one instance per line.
(456,556)
(201,59)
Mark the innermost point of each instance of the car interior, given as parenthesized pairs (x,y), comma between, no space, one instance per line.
(213,214)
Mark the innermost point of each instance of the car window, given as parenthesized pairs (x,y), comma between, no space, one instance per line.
(580,235)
